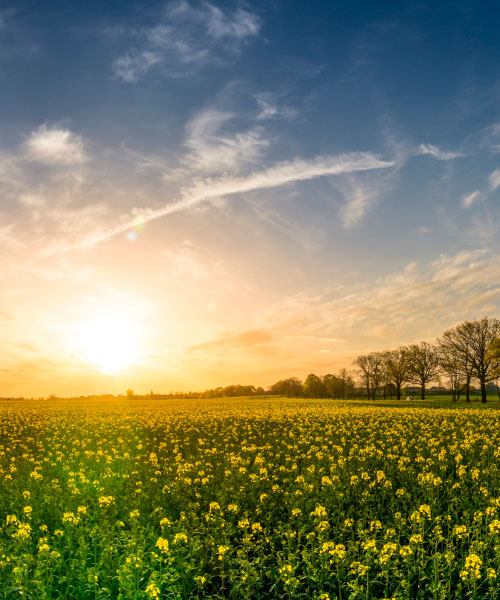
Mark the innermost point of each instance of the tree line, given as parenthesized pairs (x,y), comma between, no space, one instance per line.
(466,353)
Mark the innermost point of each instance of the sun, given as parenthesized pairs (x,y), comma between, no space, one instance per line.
(109,341)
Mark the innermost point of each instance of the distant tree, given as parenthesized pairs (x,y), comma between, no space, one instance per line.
(233,391)
(333,386)
(456,376)
(390,388)
(424,365)
(130,393)
(371,371)
(469,343)
(397,367)
(291,387)
(347,386)
(313,387)
(455,358)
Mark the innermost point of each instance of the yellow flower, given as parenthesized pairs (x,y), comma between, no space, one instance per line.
(162,545)
(152,591)
(357,568)
(69,517)
(180,537)
(319,511)
(105,501)
(472,569)
(494,526)
(460,531)
(286,570)
(256,527)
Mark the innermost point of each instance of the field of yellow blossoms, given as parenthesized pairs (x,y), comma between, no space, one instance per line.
(248,498)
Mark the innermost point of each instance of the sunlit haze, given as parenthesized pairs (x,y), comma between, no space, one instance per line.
(195,194)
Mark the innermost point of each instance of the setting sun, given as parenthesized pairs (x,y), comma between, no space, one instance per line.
(109,341)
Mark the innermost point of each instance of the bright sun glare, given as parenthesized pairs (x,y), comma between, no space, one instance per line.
(109,341)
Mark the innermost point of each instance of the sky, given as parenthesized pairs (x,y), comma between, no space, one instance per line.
(195,194)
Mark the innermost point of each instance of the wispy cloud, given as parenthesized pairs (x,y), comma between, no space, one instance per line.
(437,152)
(270,109)
(239,25)
(186,38)
(414,302)
(55,145)
(210,189)
(255,339)
(211,151)
(357,204)
(405,306)
(133,65)
(494,180)
(469,199)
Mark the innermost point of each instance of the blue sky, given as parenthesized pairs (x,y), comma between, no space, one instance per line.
(257,189)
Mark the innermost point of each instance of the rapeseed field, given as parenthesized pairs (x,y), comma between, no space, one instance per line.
(248,498)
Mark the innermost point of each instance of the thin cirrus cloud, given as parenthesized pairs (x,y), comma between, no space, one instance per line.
(212,151)
(469,199)
(186,38)
(55,145)
(245,339)
(357,205)
(280,174)
(269,108)
(437,152)
(410,300)
(494,180)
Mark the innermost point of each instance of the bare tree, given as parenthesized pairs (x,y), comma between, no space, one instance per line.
(371,370)
(424,365)
(453,367)
(456,354)
(397,368)
(468,344)
(346,383)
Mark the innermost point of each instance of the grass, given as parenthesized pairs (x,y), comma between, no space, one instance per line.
(249,498)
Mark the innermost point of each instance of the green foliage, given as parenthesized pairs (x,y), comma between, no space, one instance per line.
(314,387)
